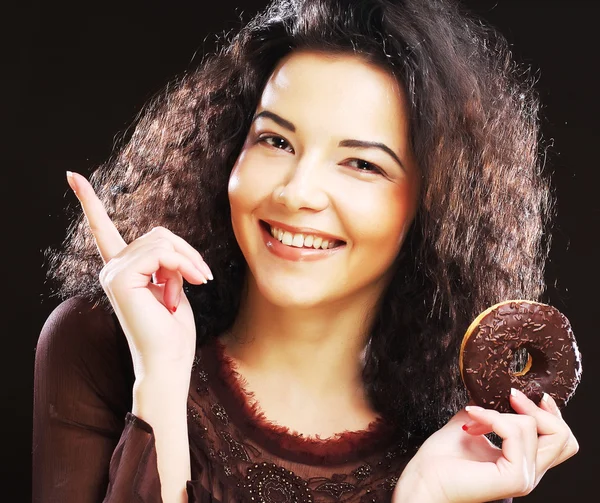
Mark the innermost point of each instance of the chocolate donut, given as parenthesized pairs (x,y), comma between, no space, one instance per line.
(507,331)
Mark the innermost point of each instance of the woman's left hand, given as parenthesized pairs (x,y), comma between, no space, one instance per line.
(459,464)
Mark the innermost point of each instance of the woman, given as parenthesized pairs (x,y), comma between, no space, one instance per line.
(290,248)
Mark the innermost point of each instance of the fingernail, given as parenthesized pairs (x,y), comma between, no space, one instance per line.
(473,408)
(207,271)
(465,427)
(173,309)
(550,404)
(514,392)
(71,181)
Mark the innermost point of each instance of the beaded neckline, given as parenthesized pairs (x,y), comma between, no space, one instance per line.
(229,386)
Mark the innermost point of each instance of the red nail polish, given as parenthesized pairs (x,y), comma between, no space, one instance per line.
(173,309)
(465,427)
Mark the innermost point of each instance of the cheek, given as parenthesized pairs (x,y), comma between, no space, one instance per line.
(245,187)
(380,219)
(252,181)
(235,194)
(241,204)
(240,200)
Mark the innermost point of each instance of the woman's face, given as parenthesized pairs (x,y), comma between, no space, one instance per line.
(325,187)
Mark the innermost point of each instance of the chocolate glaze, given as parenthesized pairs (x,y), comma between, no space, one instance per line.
(546,335)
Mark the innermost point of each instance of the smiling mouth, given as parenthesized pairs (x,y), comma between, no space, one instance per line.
(301,240)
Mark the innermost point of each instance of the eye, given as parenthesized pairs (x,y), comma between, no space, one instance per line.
(364,166)
(276,142)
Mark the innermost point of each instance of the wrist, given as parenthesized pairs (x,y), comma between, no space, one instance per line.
(414,487)
(161,401)
(160,396)
(160,364)
(161,372)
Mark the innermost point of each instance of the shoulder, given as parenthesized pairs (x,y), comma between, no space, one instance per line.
(78,323)
(82,347)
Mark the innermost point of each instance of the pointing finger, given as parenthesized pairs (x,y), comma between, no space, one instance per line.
(107,237)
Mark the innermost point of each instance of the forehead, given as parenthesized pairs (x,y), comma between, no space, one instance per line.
(332,89)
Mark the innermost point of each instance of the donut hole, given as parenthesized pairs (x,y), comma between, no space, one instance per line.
(521,362)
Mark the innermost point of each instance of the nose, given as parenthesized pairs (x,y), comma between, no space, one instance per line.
(303,187)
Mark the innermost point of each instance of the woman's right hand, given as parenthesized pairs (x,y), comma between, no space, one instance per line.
(144,283)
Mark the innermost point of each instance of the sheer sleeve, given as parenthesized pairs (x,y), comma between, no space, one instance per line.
(87,447)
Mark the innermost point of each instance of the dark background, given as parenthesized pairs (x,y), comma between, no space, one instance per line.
(83,71)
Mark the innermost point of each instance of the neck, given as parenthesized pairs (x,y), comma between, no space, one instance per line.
(319,349)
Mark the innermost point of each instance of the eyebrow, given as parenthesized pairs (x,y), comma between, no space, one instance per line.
(277,119)
(372,144)
(344,143)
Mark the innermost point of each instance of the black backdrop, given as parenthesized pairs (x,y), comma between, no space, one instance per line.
(85,69)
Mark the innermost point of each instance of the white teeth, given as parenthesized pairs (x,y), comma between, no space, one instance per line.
(298,240)
(287,238)
(302,240)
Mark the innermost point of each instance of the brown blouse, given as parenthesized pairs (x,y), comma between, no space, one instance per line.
(88,447)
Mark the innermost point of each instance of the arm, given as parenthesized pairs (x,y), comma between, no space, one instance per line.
(82,393)
(87,446)
(143,281)
(162,403)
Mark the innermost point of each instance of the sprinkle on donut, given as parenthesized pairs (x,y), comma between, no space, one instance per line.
(492,342)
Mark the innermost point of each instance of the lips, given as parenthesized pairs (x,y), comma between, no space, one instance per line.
(274,227)
(294,253)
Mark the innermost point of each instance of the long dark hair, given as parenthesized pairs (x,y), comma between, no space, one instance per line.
(480,235)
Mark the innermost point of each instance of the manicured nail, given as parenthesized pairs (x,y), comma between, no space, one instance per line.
(465,427)
(550,404)
(173,309)
(473,408)
(205,270)
(516,393)
(71,181)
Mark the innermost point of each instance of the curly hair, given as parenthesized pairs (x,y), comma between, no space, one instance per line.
(481,231)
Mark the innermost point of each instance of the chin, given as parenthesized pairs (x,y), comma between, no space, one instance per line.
(293,296)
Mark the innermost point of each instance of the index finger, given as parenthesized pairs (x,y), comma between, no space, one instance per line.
(107,237)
